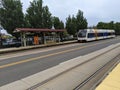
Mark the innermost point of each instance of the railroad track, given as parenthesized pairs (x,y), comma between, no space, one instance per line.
(94,80)
(84,82)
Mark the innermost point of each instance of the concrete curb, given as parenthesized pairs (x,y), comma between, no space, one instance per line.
(42,79)
(33,47)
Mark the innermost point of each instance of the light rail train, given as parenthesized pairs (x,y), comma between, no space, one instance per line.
(94,34)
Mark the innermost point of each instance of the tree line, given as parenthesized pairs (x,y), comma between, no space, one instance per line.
(39,16)
(36,16)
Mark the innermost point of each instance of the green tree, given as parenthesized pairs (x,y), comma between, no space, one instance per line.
(81,22)
(111,25)
(100,25)
(57,23)
(74,24)
(61,25)
(38,16)
(11,15)
(117,28)
(71,25)
(47,18)
(34,14)
(103,25)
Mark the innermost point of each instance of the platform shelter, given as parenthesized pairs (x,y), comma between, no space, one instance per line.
(33,36)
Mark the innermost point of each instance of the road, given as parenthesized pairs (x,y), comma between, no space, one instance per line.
(18,65)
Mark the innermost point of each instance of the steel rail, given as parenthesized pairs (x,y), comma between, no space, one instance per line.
(114,61)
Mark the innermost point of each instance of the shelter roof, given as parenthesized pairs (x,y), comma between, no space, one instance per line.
(37,30)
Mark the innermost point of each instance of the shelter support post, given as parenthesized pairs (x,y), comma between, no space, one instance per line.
(44,39)
(24,39)
(61,37)
(21,37)
(58,37)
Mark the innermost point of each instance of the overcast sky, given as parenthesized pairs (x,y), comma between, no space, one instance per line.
(94,10)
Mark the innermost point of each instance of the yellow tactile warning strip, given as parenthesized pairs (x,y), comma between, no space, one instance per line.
(112,81)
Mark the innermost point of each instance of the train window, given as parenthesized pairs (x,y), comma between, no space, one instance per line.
(91,35)
(113,33)
(105,34)
(109,33)
(100,34)
(82,33)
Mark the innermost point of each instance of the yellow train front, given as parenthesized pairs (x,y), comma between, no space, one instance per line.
(94,34)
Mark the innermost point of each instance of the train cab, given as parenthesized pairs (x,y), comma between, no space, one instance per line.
(82,35)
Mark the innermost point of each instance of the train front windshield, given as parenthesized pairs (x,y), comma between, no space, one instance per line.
(82,33)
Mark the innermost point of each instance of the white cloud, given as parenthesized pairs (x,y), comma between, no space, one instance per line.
(94,10)
(26,3)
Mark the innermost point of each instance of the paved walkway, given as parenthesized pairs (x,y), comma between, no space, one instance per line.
(112,81)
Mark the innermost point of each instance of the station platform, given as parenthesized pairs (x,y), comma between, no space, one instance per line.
(112,81)
(13,49)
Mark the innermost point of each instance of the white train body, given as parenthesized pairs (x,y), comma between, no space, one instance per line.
(95,34)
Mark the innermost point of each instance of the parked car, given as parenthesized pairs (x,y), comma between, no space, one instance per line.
(11,43)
